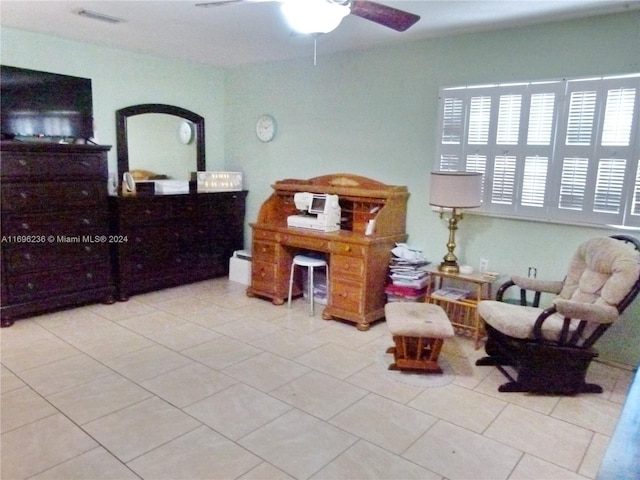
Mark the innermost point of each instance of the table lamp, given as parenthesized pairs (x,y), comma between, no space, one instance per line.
(454,190)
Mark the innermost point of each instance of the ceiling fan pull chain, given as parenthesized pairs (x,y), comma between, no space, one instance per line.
(315,49)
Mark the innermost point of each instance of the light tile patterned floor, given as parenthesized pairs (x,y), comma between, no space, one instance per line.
(202,382)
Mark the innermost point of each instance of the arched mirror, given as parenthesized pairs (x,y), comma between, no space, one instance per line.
(165,140)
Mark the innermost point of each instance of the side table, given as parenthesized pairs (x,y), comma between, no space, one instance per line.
(461,310)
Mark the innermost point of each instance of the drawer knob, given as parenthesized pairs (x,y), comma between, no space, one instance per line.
(22,162)
(25,226)
(86,221)
(85,193)
(89,275)
(30,286)
(27,256)
(24,195)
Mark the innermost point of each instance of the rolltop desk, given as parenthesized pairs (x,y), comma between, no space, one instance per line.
(358,259)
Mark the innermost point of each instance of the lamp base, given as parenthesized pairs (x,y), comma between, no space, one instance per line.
(449,267)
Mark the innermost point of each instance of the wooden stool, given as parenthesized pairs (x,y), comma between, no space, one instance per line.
(418,331)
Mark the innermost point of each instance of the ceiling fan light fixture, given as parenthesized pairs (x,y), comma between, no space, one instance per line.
(314,16)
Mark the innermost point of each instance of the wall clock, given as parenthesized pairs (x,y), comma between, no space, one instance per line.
(266,128)
(186,132)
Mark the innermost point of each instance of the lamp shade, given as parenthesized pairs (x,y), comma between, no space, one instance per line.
(456,189)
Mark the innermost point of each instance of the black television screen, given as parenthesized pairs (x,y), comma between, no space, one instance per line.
(43,104)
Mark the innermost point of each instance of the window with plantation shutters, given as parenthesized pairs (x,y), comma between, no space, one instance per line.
(562,150)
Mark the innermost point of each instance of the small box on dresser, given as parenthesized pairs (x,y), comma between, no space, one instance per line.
(55,250)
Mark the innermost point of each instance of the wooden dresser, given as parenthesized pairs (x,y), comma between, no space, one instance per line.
(358,262)
(168,240)
(55,246)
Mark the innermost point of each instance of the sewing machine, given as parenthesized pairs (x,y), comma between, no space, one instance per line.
(321,212)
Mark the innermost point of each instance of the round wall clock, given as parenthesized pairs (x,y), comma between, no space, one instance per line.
(186,132)
(266,128)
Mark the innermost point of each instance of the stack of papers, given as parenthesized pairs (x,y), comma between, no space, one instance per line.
(408,275)
(451,293)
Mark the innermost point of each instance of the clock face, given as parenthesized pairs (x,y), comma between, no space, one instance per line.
(186,132)
(266,128)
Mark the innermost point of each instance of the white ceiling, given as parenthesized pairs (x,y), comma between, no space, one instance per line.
(244,33)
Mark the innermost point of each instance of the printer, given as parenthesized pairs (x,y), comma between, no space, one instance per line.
(321,212)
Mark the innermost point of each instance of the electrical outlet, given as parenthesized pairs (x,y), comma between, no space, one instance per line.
(533,272)
(484,265)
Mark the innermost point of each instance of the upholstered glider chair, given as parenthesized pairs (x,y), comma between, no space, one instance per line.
(550,349)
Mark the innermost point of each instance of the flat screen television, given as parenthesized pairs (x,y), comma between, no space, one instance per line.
(37,104)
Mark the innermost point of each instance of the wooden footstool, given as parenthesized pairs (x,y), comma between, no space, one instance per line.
(418,330)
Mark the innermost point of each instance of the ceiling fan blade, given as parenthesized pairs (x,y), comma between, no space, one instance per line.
(388,16)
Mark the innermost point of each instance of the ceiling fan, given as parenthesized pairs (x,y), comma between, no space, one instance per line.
(398,20)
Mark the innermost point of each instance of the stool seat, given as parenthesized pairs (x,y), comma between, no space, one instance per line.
(418,331)
(306,261)
(310,263)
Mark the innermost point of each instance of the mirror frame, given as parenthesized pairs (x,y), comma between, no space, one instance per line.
(122,138)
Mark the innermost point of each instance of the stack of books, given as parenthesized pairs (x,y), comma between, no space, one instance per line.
(408,280)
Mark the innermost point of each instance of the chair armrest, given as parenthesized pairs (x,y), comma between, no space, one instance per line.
(546,286)
(586,311)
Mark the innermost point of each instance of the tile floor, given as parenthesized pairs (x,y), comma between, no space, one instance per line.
(202,382)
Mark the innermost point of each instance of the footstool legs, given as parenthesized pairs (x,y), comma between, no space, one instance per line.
(416,354)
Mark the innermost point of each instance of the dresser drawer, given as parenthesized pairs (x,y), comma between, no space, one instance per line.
(144,213)
(16,165)
(228,205)
(346,295)
(345,266)
(161,264)
(149,239)
(35,285)
(48,196)
(18,258)
(66,224)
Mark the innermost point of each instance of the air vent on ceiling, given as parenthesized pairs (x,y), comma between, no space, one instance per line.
(103,17)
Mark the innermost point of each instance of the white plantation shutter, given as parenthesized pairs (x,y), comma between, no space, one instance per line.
(563,150)
(635,208)
(509,119)
(541,114)
(534,181)
(479,120)
(573,183)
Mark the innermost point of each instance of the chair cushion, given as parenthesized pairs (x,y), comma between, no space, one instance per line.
(602,271)
(517,321)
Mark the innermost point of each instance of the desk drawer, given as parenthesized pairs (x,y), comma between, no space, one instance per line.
(346,295)
(309,243)
(263,276)
(264,235)
(347,249)
(345,266)
(264,251)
